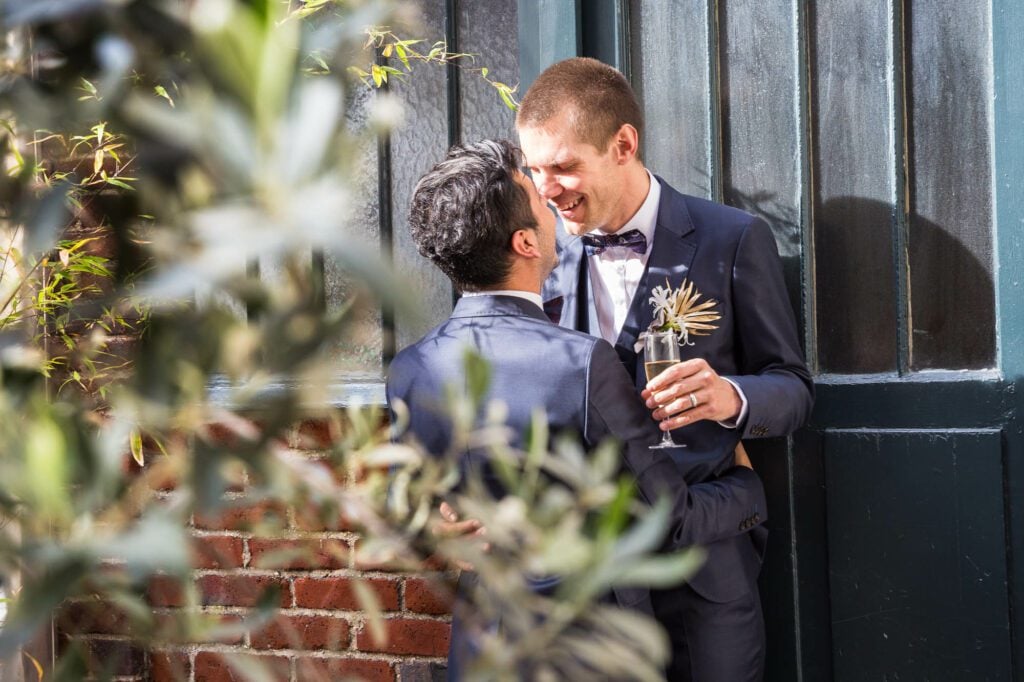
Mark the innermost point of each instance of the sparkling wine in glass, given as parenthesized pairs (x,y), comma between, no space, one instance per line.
(661,351)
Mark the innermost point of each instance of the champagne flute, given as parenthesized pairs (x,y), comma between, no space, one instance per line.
(661,351)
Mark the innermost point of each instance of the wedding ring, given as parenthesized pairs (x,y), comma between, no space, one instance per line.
(693,401)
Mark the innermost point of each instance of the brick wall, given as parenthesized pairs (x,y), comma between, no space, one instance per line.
(309,569)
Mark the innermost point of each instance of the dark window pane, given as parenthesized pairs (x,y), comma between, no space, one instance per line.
(762,140)
(950,246)
(415,148)
(360,352)
(855,206)
(671,77)
(487,30)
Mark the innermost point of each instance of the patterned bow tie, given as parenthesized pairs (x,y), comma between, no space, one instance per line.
(633,240)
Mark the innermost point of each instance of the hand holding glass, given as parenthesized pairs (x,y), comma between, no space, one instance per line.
(661,351)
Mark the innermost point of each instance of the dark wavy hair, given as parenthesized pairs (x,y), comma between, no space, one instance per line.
(465,210)
(598,98)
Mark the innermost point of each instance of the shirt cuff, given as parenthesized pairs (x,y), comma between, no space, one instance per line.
(735,423)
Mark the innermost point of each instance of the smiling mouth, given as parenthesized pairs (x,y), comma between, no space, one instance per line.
(571,205)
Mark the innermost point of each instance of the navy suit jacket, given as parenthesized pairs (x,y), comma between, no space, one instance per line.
(730,256)
(580,383)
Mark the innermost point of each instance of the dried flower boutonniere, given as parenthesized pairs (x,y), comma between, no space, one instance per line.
(679,311)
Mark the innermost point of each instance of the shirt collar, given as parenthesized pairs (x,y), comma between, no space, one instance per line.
(525,295)
(646,217)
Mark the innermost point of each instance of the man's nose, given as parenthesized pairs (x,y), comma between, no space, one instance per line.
(547,186)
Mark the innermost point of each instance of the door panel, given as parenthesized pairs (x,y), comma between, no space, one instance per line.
(916,538)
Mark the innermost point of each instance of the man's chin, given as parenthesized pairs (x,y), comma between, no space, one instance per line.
(575,229)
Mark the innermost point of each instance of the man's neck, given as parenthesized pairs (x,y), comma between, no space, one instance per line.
(521,279)
(637,185)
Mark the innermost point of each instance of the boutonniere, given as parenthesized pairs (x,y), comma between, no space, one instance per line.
(683,312)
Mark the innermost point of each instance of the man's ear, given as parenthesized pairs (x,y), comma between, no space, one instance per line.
(626,143)
(524,243)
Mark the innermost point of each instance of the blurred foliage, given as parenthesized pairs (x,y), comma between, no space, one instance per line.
(203,137)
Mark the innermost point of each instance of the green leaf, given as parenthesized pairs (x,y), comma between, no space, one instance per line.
(135,440)
(119,183)
(506,97)
(46,468)
(400,51)
(162,92)
(370,606)
(616,515)
(662,571)
(478,376)
(35,663)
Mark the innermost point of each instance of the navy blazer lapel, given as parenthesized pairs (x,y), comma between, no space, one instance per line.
(671,256)
(566,279)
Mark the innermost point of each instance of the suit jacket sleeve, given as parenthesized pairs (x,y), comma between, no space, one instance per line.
(701,513)
(772,373)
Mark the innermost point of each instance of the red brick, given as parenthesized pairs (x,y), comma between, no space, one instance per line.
(217,551)
(339,593)
(241,516)
(240,590)
(408,636)
(165,590)
(305,553)
(428,596)
(303,632)
(216,667)
(330,669)
(169,666)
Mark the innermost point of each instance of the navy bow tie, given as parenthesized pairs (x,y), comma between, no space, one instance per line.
(633,240)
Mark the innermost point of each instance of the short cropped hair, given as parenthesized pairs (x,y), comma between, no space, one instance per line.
(598,98)
(465,211)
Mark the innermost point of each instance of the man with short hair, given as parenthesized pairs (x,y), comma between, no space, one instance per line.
(480,220)
(625,233)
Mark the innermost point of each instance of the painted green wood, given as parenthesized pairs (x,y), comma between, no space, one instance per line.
(549,31)
(950,238)
(917,555)
(604,32)
(952,401)
(1008,181)
(855,191)
(772,461)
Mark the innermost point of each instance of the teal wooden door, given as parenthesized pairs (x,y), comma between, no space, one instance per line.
(884,142)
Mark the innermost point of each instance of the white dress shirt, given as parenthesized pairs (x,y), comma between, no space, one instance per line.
(615,275)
